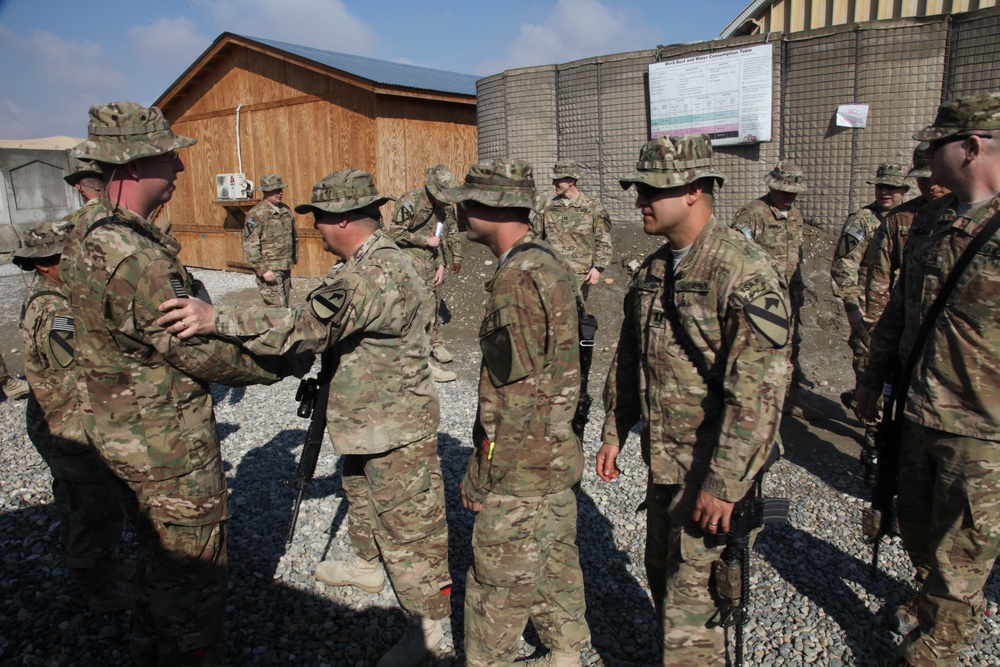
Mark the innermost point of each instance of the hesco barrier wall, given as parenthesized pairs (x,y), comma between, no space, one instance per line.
(596,110)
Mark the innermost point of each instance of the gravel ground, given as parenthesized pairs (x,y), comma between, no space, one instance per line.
(812,602)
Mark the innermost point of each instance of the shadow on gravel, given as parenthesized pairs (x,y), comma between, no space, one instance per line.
(811,452)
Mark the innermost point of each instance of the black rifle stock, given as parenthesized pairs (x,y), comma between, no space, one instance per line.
(588,330)
(877,522)
(312,395)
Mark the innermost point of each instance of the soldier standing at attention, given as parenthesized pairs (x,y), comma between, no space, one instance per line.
(144,396)
(949,480)
(526,457)
(383,411)
(847,272)
(701,364)
(776,226)
(577,226)
(269,242)
(87,496)
(426,229)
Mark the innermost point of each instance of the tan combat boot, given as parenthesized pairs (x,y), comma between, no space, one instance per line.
(552,659)
(423,636)
(442,354)
(15,388)
(441,375)
(366,575)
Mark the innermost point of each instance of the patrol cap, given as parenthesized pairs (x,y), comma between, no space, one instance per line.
(120,132)
(963,114)
(786,177)
(667,162)
(343,191)
(892,174)
(567,169)
(43,240)
(83,169)
(271,182)
(439,180)
(921,161)
(500,182)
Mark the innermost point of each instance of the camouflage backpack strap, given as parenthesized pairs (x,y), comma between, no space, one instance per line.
(122,222)
(879,215)
(44,292)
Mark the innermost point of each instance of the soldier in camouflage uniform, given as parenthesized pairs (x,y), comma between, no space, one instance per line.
(526,457)
(949,479)
(87,496)
(701,364)
(415,229)
(87,179)
(577,226)
(383,411)
(144,396)
(269,242)
(776,225)
(847,272)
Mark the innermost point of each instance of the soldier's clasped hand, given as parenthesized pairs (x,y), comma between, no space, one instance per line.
(185,318)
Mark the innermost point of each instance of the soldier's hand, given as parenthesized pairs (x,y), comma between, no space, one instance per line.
(607,462)
(712,513)
(592,277)
(269,276)
(433,241)
(867,403)
(185,318)
(468,504)
(856,318)
(439,276)
(456,267)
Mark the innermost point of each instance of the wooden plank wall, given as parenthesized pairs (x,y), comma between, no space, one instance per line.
(302,125)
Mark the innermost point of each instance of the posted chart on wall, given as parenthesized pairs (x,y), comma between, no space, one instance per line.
(726,95)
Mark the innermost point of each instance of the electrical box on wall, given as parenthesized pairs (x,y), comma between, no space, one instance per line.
(232,186)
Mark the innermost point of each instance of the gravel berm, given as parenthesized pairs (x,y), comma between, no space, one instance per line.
(813,601)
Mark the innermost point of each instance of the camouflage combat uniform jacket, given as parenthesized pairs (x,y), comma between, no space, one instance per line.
(780,234)
(701,362)
(415,220)
(955,386)
(369,313)
(529,381)
(885,255)
(847,272)
(145,399)
(579,230)
(269,238)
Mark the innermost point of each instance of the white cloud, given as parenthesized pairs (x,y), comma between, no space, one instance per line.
(69,62)
(575,29)
(161,50)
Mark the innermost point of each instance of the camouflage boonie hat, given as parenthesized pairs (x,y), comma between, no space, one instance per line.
(343,191)
(786,177)
(892,174)
(667,162)
(120,132)
(963,114)
(921,161)
(439,180)
(567,169)
(83,169)
(43,240)
(271,182)
(499,182)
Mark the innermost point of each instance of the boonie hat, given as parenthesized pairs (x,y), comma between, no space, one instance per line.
(567,169)
(667,162)
(786,177)
(271,182)
(43,240)
(891,173)
(499,182)
(343,191)
(921,162)
(120,132)
(83,169)
(963,114)
(439,180)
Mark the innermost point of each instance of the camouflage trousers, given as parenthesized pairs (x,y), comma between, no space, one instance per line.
(432,301)
(182,568)
(859,345)
(276,293)
(678,563)
(948,517)
(525,565)
(396,510)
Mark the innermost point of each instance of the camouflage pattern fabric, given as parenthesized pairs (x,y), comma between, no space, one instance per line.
(526,565)
(4,373)
(146,407)
(667,162)
(963,115)
(885,256)
(269,245)
(343,191)
(892,174)
(499,183)
(579,230)
(526,460)
(87,496)
(396,510)
(271,182)
(786,177)
(120,132)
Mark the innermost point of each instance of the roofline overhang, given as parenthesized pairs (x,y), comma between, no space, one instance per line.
(752,11)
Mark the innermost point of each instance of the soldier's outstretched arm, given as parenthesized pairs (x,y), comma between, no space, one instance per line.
(188,317)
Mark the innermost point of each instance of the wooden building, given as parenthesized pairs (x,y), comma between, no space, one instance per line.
(764,16)
(258,106)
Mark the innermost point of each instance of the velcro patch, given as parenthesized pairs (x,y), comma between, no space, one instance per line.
(330,305)
(61,340)
(747,232)
(768,315)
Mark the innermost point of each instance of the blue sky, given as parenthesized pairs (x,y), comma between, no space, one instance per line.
(61,56)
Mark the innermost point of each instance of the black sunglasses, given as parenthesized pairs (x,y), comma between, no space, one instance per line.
(938,143)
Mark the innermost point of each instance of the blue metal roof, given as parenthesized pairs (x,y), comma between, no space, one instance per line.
(382,71)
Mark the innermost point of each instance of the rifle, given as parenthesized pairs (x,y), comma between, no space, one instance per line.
(732,571)
(588,329)
(876,521)
(312,395)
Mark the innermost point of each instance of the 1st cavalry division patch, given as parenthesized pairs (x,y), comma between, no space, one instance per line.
(768,315)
